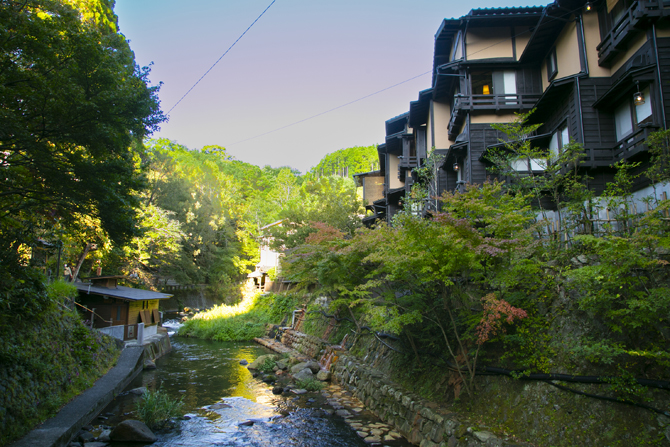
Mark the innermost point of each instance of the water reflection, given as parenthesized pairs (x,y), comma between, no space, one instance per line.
(219,394)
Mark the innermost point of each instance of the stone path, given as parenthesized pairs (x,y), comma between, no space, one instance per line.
(351,409)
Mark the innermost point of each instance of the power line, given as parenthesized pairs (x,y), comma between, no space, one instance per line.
(219,59)
(501,41)
(331,110)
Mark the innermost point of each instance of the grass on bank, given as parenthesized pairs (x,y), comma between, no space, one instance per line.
(243,321)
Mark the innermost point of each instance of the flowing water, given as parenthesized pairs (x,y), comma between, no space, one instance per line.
(219,394)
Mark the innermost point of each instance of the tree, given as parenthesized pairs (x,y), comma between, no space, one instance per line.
(347,162)
(73,102)
(331,200)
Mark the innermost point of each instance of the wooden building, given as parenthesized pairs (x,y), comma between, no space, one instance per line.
(111,305)
(579,64)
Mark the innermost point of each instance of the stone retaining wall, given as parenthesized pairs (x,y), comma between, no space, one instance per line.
(305,344)
(421,422)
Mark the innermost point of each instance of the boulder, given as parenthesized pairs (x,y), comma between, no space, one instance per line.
(149,364)
(104,436)
(298,367)
(260,361)
(243,362)
(304,374)
(86,437)
(132,431)
(281,364)
(313,366)
(323,376)
(141,391)
(219,406)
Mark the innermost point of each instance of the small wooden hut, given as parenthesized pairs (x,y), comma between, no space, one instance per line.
(109,305)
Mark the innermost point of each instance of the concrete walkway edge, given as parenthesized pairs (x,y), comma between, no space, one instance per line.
(59,430)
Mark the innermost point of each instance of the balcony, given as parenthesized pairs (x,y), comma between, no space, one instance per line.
(469,103)
(408,162)
(639,14)
(634,144)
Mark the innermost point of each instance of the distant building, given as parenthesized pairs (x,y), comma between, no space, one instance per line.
(269,259)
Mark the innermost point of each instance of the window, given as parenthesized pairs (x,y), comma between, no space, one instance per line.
(628,117)
(559,139)
(457,49)
(494,82)
(552,66)
(118,313)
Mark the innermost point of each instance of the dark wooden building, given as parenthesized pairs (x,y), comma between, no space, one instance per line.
(578,63)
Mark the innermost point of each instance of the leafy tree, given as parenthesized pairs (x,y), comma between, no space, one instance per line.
(332,200)
(347,162)
(73,101)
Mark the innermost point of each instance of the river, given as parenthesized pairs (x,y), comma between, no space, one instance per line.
(207,374)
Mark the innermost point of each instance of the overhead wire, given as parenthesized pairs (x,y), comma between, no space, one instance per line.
(550,18)
(219,59)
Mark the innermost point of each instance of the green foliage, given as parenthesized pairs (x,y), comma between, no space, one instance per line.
(242,322)
(268,366)
(73,103)
(350,161)
(157,409)
(45,362)
(331,200)
(310,384)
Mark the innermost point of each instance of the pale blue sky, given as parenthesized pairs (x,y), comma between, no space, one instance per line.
(301,58)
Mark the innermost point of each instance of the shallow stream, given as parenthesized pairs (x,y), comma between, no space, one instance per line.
(219,394)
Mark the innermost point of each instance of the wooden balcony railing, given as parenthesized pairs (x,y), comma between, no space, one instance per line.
(408,162)
(633,145)
(465,103)
(637,15)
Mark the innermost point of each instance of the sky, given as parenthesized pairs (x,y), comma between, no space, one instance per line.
(300,59)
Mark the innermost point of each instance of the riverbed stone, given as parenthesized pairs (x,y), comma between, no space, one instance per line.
(304,374)
(132,431)
(323,376)
(484,436)
(219,406)
(86,437)
(243,362)
(141,391)
(95,444)
(104,436)
(281,364)
(149,364)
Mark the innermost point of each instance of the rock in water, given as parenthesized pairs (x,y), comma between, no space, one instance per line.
(149,364)
(132,431)
(243,362)
(323,376)
(141,391)
(277,390)
(104,436)
(305,374)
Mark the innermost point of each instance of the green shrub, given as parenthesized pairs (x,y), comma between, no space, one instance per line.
(156,409)
(310,384)
(241,322)
(268,365)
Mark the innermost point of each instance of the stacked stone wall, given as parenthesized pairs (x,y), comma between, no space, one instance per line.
(421,422)
(305,344)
